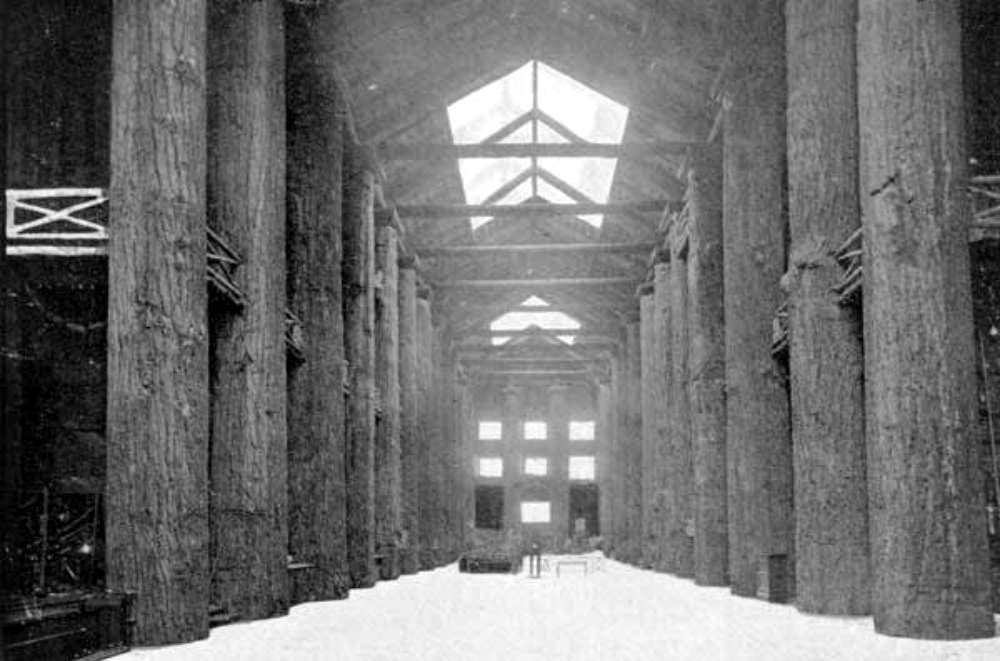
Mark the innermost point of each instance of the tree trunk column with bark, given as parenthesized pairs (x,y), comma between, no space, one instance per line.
(707,367)
(928,535)
(631,446)
(650,406)
(825,360)
(760,484)
(465,437)
(157,425)
(359,350)
(660,462)
(388,461)
(511,432)
(246,205)
(616,465)
(604,473)
(409,434)
(425,332)
(558,433)
(679,542)
(317,492)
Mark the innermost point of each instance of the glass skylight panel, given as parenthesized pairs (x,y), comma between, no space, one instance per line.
(500,340)
(533,511)
(490,430)
(589,114)
(534,302)
(490,467)
(475,117)
(581,430)
(580,110)
(549,320)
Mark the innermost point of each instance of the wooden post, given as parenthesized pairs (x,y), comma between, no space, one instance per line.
(928,530)
(511,432)
(246,205)
(707,367)
(660,463)
(630,447)
(359,350)
(760,469)
(409,431)
(437,454)
(558,441)
(317,521)
(425,332)
(604,472)
(650,406)
(157,490)
(388,461)
(825,356)
(681,476)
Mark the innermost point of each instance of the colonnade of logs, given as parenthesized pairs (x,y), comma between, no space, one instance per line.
(850,483)
(240,479)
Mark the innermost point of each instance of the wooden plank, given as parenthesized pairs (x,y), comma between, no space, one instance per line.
(531,210)
(538,282)
(522,248)
(443,151)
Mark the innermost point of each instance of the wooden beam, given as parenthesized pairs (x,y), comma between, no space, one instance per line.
(534,372)
(545,332)
(538,282)
(442,211)
(522,248)
(440,151)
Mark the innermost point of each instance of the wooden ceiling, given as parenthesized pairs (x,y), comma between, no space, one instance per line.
(405,61)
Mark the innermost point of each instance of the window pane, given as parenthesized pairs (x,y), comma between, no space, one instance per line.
(490,467)
(535,430)
(536,466)
(581,430)
(535,512)
(581,468)
(490,430)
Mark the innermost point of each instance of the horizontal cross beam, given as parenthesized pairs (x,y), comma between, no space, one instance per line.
(537,282)
(434,152)
(532,248)
(442,211)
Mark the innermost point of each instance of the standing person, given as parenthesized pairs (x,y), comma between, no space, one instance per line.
(535,561)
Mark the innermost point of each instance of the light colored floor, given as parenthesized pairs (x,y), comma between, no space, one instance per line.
(616,614)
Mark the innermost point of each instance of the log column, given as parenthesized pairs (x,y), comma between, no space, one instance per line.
(511,432)
(650,407)
(317,493)
(425,332)
(558,434)
(707,367)
(630,447)
(604,472)
(359,350)
(388,462)
(409,433)
(660,462)
(246,205)
(825,359)
(681,473)
(157,535)
(760,463)
(928,530)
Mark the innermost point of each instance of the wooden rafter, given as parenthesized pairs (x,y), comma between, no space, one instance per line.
(523,248)
(442,151)
(440,211)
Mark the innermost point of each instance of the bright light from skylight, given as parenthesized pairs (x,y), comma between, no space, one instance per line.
(523,320)
(508,111)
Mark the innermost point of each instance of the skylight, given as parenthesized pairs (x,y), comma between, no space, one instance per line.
(537,104)
(523,320)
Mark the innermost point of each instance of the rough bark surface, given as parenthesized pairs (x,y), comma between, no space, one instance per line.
(630,448)
(680,544)
(604,473)
(317,519)
(359,350)
(929,549)
(388,462)
(662,458)
(558,419)
(512,416)
(650,410)
(157,492)
(409,432)
(760,462)
(425,332)
(246,205)
(826,362)
(707,368)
